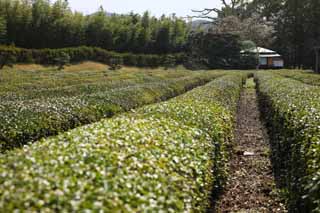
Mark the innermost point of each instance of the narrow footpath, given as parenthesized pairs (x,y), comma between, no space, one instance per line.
(251,185)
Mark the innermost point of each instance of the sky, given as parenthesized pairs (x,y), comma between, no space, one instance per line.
(182,8)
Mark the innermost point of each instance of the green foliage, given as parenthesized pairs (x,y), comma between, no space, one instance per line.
(303,76)
(29,115)
(215,50)
(40,24)
(268,9)
(298,32)
(163,40)
(6,59)
(169,61)
(80,54)
(293,112)
(164,157)
(248,61)
(290,27)
(248,45)
(62,60)
(3,30)
(115,63)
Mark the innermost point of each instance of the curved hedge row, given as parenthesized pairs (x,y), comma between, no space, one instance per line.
(293,113)
(164,157)
(79,54)
(29,120)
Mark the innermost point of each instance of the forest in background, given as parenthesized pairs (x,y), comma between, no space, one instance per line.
(290,27)
(42,24)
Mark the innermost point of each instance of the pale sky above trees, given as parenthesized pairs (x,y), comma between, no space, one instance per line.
(157,8)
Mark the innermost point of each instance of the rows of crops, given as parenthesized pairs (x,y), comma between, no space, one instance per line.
(170,156)
(39,82)
(292,109)
(160,158)
(29,113)
(307,77)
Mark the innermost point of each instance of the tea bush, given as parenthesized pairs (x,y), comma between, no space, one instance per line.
(162,158)
(304,76)
(28,120)
(292,109)
(37,82)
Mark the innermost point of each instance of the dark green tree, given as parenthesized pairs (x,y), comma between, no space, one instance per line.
(215,51)
(3,30)
(268,9)
(162,44)
(98,33)
(52,24)
(290,32)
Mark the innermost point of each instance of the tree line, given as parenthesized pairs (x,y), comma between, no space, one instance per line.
(42,24)
(10,55)
(291,27)
(298,31)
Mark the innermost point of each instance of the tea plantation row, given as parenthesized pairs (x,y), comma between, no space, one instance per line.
(292,109)
(45,82)
(165,157)
(29,120)
(304,76)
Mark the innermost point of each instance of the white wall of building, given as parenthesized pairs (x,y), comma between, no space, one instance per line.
(278,63)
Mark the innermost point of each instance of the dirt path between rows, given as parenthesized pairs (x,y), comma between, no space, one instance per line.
(251,185)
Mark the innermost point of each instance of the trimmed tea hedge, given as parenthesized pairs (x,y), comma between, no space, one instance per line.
(86,78)
(29,120)
(304,76)
(293,114)
(162,158)
(79,54)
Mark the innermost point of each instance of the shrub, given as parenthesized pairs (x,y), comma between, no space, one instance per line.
(169,61)
(24,121)
(6,59)
(115,63)
(62,60)
(130,59)
(80,54)
(196,62)
(248,61)
(293,114)
(165,157)
(307,77)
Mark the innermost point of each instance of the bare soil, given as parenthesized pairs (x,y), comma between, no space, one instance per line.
(251,185)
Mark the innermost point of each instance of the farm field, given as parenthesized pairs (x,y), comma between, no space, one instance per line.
(155,140)
(41,102)
(307,77)
(160,106)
